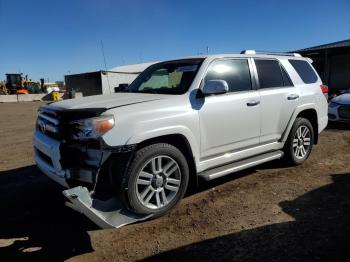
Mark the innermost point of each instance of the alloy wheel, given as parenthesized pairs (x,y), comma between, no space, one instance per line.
(301,142)
(158,182)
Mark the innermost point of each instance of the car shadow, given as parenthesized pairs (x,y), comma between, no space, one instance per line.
(320,232)
(36,225)
(34,222)
(334,126)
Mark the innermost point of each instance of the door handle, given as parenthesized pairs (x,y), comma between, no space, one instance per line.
(253,103)
(293,97)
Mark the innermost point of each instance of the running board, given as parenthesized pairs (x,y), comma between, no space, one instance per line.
(106,214)
(240,165)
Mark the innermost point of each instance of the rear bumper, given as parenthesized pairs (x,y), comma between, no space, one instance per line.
(322,123)
(47,157)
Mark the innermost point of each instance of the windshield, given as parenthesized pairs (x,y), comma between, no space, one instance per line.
(174,77)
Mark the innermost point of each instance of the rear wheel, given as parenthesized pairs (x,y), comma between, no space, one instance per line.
(300,141)
(157,179)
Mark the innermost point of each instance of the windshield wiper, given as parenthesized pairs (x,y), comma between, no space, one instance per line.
(148,90)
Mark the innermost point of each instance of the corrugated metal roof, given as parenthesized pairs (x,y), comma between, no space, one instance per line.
(344,43)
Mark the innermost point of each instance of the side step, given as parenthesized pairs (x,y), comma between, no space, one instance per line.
(106,214)
(240,165)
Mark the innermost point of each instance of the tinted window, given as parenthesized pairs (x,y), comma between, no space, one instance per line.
(235,72)
(306,73)
(269,73)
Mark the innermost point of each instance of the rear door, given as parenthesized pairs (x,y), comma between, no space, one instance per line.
(278,98)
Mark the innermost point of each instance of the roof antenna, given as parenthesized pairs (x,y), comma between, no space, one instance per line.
(104,60)
(207,50)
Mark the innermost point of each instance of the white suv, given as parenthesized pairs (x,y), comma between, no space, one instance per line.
(205,116)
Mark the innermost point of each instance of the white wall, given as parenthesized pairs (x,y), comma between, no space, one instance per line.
(125,75)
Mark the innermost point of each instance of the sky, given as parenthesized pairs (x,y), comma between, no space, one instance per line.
(49,39)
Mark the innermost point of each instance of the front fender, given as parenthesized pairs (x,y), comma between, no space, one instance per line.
(169,130)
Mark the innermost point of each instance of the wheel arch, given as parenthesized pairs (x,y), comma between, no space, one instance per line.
(181,142)
(306,111)
(311,115)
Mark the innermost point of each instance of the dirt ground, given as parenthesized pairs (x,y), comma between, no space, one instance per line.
(268,213)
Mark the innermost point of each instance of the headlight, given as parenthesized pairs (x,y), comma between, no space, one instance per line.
(91,128)
(333,104)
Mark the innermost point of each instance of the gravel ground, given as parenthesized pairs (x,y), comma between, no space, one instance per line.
(268,213)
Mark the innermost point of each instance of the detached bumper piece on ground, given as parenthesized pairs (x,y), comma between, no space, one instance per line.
(106,214)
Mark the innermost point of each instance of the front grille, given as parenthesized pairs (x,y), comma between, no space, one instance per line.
(48,124)
(344,112)
(54,121)
(44,157)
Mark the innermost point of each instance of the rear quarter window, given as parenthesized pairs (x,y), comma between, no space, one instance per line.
(305,71)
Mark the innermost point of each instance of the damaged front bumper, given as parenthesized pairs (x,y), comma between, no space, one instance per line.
(47,157)
(57,160)
(67,164)
(106,214)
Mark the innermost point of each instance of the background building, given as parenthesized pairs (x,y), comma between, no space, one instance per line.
(332,62)
(103,82)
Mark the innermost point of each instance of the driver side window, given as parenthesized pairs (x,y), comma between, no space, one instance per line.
(234,71)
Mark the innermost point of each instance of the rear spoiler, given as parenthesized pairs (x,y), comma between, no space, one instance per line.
(309,60)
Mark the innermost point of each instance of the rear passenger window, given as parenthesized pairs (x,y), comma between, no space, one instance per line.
(234,71)
(271,74)
(305,71)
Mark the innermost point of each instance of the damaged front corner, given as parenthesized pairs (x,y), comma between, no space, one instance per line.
(106,214)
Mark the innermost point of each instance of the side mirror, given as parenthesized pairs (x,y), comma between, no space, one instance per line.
(120,88)
(215,87)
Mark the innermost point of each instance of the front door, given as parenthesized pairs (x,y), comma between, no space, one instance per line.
(230,122)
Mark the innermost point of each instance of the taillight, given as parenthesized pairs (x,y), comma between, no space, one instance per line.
(324,89)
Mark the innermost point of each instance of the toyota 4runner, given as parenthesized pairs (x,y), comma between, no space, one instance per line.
(204,116)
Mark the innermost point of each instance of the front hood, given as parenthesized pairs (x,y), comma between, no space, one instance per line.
(107,101)
(342,99)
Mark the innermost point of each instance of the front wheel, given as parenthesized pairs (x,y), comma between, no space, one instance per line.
(157,179)
(300,141)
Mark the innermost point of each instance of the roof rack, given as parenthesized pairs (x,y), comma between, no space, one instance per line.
(253,52)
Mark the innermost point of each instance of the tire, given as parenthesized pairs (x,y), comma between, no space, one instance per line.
(156,179)
(300,142)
